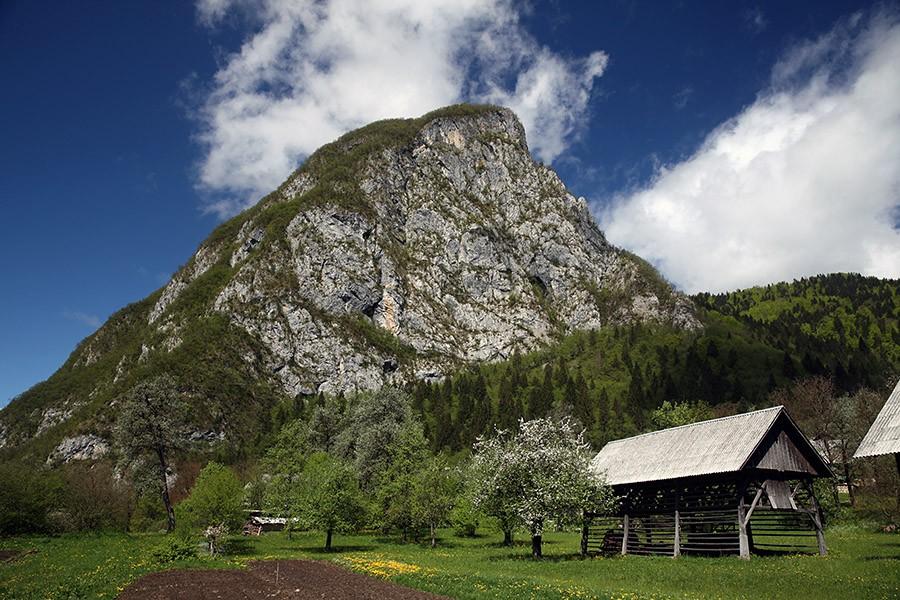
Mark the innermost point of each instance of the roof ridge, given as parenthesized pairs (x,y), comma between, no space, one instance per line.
(725,418)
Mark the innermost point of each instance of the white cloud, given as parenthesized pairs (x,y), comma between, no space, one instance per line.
(805,180)
(92,321)
(313,70)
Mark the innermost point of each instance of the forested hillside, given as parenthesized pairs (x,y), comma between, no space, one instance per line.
(754,341)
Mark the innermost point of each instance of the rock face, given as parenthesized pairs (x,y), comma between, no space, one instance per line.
(403,250)
(469,251)
(79,447)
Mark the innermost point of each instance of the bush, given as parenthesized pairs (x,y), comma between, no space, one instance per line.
(27,496)
(214,504)
(174,548)
(93,499)
(149,514)
(465,518)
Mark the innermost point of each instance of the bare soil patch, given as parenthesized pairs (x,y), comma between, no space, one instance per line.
(296,579)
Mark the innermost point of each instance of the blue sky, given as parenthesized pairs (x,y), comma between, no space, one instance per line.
(131,129)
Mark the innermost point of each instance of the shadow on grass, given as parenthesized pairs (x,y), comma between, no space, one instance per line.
(526,557)
(338,549)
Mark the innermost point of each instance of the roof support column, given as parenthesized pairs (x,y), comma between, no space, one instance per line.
(625,534)
(585,532)
(817,518)
(676,552)
(743,540)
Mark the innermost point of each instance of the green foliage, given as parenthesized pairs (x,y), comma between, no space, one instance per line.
(149,428)
(843,325)
(93,499)
(613,379)
(435,490)
(215,499)
(375,422)
(174,548)
(26,498)
(684,413)
(330,499)
(396,506)
(150,419)
(284,462)
(464,517)
(861,564)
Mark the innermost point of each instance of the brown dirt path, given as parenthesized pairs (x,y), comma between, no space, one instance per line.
(297,580)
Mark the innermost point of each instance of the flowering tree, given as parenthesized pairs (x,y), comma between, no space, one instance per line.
(149,430)
(539,473)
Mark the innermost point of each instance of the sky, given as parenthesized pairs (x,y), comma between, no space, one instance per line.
(730,143)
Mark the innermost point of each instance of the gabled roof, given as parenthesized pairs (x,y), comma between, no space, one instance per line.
(884,434)
(722,445)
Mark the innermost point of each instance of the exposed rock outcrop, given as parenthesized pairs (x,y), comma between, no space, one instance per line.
(79,447)
(402,251)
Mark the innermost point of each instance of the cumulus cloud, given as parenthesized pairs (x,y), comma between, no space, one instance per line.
(310,71)
(805,180)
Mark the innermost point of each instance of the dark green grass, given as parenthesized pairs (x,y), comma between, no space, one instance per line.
(860,565)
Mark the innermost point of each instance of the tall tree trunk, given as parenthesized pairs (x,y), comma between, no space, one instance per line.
(433,538)
(170,512)
(328,538)
(507,537)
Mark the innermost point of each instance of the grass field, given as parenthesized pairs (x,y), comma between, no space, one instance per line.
(860,565)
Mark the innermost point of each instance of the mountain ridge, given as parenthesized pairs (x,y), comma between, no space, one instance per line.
(402,251)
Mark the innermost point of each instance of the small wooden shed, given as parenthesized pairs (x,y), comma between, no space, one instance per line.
(733,485)
(883,436)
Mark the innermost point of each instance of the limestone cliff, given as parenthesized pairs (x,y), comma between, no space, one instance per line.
(403,250)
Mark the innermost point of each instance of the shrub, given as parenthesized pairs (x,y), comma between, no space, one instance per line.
(174,548)
(27,496)
(93,499)
(465,518)
(215,504)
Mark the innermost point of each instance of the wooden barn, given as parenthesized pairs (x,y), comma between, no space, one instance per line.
(733,485)
(883,436)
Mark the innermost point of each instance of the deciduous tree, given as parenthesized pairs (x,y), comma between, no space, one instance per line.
(330,499)
(149,429)
(538,473)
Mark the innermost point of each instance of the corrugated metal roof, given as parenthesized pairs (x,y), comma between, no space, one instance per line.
(883,436)
(716,446)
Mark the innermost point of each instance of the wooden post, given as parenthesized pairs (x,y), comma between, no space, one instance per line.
(743,541)
(677,550)
(818,519)
(625,534)
(584,534)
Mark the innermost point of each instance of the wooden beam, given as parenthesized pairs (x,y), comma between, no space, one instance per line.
(754,503)
(677,549)
(625,534)
(585,530)
(818,520)
(743,540)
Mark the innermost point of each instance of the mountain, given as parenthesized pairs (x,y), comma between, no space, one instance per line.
(404,251)
(842,326)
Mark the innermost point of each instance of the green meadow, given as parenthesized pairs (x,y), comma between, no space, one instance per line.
(860,564)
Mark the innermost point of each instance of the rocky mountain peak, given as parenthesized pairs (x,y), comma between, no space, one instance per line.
(401,251)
